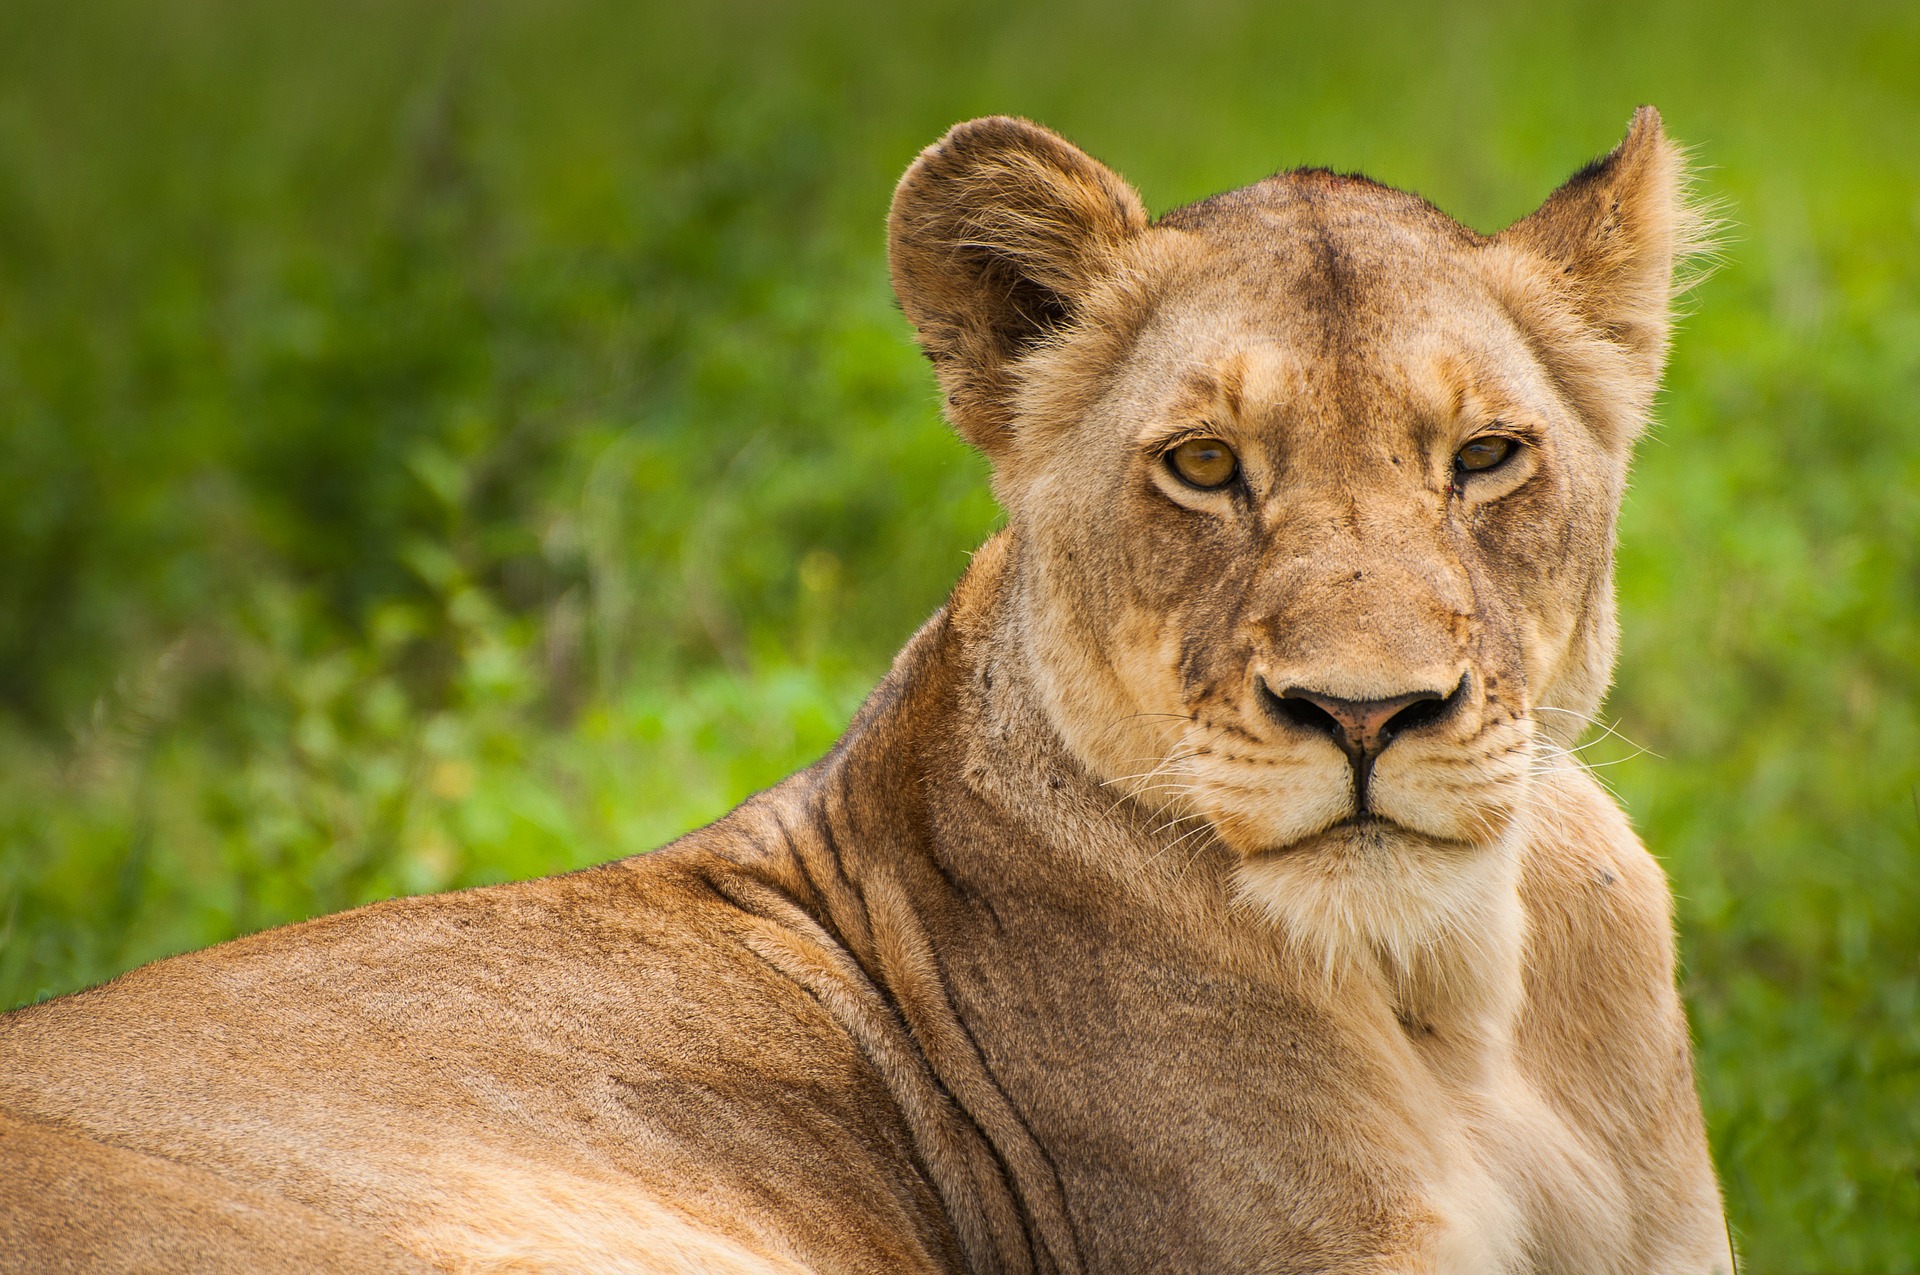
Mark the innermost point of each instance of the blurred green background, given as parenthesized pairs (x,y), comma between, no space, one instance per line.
(448,443)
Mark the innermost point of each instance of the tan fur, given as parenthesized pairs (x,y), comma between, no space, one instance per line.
(1076,954)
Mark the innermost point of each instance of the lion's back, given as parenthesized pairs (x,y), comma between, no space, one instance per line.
(592,1063)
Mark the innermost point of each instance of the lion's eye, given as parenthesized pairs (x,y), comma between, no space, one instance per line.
(1206,463)
(1483,454)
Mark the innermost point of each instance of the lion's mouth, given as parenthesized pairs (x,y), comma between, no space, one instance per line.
(1363,828)
(1361,831)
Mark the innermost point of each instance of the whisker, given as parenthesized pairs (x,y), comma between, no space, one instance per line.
(1164,776)
(1170,785)
(1164,850)
(1163,766)
(1608,730)
(1555,754)
(1175,822)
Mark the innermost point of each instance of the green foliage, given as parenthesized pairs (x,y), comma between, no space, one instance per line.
(442,444)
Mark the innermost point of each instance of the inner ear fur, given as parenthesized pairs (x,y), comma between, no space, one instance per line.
(1593,274)
(997,233)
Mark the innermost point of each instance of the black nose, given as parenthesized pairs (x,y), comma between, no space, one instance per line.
(1362,728)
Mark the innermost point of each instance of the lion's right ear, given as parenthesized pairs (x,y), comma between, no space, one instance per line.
(996,234)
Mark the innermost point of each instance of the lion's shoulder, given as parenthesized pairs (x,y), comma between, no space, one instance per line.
(1599,923)
(1602,1023)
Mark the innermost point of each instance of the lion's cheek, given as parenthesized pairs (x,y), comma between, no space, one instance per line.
(1472,799)
(1254,820)
(1537,566)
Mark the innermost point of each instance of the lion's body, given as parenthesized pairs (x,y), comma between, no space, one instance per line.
(962,996)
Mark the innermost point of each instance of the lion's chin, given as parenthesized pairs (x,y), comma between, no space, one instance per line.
(1364,887)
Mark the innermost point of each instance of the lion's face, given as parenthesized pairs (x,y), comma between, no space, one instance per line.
(1314,489)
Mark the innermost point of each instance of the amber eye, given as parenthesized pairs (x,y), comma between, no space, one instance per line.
(1483,453)
(1206,463)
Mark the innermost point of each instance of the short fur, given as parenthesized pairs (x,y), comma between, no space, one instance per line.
(1081,952)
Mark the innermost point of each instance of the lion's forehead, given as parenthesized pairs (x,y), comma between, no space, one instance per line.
(1245,328)
(1395,396)
(1334,260)
(1316,197)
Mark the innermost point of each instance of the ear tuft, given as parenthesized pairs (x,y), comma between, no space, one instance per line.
(997,232)
(1611,249)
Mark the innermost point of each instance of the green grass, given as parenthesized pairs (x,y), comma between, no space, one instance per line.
(442,444)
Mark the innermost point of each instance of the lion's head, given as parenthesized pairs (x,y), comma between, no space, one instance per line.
(1311,489)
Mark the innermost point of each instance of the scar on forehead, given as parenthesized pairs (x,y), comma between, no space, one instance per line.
(1245,383)
(1448,386)
(1458,386)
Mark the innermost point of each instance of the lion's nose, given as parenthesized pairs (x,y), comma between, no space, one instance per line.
(1362,728)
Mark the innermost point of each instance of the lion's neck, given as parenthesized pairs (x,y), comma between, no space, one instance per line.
(1064,956)
(1447,973)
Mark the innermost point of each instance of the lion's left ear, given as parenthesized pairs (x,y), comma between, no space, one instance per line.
(1597,263)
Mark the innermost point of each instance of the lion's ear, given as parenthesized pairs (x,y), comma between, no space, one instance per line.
(1603,250)
(997,232)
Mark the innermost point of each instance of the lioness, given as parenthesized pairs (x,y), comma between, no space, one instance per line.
(1208,887)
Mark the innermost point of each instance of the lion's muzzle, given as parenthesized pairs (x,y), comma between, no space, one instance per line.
(1361,728)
